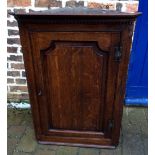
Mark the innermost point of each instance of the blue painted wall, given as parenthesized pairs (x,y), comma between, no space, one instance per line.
(137,83)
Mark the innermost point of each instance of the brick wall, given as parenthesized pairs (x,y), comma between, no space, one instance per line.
(16,80)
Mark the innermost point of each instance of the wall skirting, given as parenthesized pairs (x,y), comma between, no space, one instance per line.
(136,101)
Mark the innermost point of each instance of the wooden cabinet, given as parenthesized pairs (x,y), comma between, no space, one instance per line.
(76,64)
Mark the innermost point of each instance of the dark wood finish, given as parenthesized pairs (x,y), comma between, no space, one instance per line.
(76,65)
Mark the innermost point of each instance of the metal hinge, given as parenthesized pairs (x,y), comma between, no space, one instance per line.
(118,53)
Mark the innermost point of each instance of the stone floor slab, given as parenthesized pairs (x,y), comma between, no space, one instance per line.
(66,150)
(145,145)
(28,141)
(14,117)
(47,147)
(11,145)
(44,152)
(16,131)
(133,122)
(27,119)
(89,151)
(21,153)
(132,145)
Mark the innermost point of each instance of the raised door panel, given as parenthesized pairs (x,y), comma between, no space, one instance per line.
(74,80)
(75,83)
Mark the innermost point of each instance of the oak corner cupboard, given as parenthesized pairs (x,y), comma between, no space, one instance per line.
(76,64)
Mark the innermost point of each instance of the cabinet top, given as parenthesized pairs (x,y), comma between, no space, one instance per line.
(80,11)
(75,16)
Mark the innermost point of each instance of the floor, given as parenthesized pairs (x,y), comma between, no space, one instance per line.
(133,140)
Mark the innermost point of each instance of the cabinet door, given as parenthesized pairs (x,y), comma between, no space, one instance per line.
(75,76)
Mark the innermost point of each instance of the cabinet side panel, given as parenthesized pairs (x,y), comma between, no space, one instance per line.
(126,40)
(29,69)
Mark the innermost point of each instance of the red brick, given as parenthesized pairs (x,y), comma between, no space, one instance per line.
(55,3)
(9,80)
(20,81)
(12,24)
(18,88)
(17,66)
(12,49)
(132,7)
(48,3)
(13,73)
(73,3)
(15,58)
(41,2)
(13,3)
(13,32)
(13,41)
(106,5)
